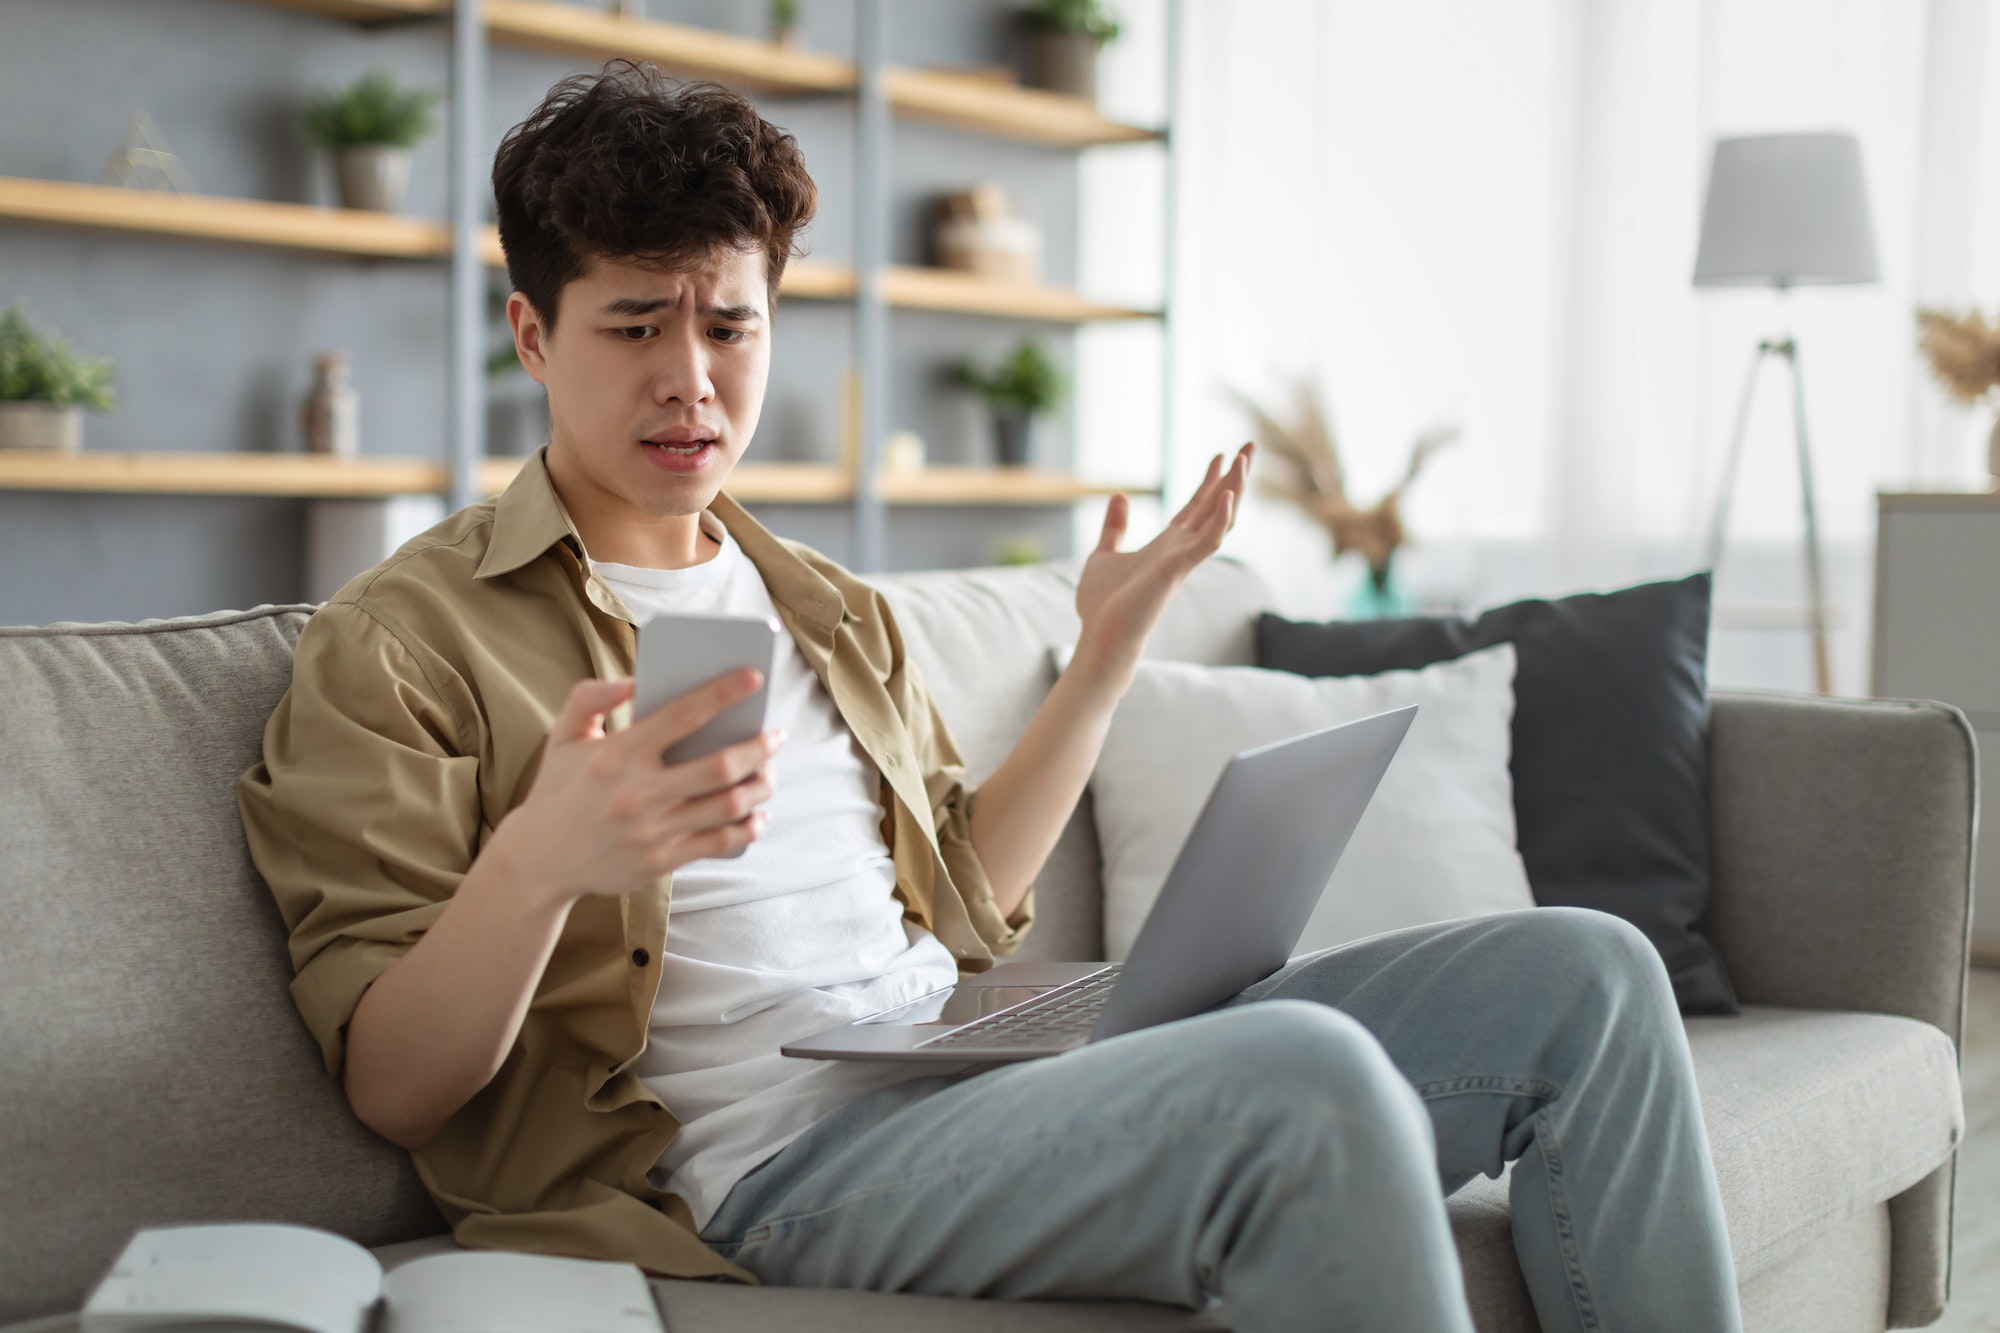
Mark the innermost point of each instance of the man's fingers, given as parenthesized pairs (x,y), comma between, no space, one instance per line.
(1115,515)
(1190,515)
(719,771)
(582,715)
(685,714)
(722,839)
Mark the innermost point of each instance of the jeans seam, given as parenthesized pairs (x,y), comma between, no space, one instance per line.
(1477,1083)
(1545,1143)
(770,1225)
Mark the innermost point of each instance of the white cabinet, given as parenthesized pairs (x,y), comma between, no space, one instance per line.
(1937,636)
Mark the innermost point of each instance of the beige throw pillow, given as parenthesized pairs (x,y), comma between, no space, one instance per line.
(1437,841)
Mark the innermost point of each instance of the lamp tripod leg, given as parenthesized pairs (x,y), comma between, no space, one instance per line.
(1815,570)
(1718,524)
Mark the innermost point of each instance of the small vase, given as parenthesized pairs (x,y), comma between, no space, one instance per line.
(373,176)
(1066,62)
(1013,437)
(331,416)
(41,426)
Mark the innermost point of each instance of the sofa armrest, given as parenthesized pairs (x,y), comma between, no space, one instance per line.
(1840,856)
(1840,843)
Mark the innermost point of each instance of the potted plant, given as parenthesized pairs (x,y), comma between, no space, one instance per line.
(370,127)
(785,22)
(1067,36)
(1022,387)
(44,387)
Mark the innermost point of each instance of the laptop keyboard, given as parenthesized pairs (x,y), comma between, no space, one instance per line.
(1059,1018)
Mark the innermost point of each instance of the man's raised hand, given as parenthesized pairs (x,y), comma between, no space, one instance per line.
(1120,595)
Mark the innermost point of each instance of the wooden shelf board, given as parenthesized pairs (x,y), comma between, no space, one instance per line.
(993,486)
(753,483)
(690,52)
(311,476)
(965,293)
(913,288)
(367,12)
(212,217)
(305,475)
(1006,110)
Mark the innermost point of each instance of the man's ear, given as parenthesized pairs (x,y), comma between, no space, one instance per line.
(530,336)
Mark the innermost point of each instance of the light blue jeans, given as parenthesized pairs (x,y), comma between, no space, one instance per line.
(1289,1153)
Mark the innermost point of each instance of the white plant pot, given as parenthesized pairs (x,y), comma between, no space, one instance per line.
(375,177)
(41,426)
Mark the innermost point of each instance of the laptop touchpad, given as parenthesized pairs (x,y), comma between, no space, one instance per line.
(960,1004)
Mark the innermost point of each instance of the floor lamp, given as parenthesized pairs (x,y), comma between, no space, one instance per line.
(1784,211)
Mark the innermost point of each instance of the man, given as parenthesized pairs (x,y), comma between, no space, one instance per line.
(523,950)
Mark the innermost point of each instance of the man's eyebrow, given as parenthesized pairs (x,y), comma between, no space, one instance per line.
(634,306)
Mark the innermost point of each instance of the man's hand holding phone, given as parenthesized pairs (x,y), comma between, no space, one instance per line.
(606,816)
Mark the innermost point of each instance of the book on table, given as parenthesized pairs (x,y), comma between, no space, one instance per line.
(254,1275)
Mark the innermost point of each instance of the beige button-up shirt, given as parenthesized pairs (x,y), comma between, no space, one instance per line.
(421,698)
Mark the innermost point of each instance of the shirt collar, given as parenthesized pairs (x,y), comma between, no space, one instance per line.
(528,519)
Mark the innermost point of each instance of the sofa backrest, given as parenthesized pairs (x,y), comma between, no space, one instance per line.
(152,1067)
(982,639)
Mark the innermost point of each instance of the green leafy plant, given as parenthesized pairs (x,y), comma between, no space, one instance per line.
(373,111)
(1085,18)
(784,15)
(1026,381)
(35,368)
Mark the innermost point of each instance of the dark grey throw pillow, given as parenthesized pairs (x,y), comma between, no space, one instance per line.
(1610,748)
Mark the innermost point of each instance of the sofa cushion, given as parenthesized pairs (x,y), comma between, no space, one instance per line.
(156,1070)
(1610,748)
(1813,1118)
(981,638)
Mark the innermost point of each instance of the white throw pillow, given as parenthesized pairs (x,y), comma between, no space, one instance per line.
(1437,842)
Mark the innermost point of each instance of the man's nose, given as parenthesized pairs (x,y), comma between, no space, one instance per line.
(680,374)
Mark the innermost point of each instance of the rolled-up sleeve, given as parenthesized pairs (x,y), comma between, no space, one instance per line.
(363,815)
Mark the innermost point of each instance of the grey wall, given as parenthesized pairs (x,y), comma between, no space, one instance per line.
(214,343)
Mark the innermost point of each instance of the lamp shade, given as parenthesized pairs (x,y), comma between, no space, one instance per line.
(1786,210)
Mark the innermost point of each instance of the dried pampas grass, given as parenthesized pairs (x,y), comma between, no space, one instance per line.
(1964,351)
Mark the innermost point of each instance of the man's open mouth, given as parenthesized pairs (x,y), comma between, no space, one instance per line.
(680,450)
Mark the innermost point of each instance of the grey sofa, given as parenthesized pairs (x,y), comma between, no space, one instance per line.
(152,1068)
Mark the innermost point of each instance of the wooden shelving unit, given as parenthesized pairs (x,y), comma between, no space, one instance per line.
(316,476)
(965,102)
(962,101)
(382,235)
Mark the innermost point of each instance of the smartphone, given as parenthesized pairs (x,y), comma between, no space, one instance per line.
(679,652)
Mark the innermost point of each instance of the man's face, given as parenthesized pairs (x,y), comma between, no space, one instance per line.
(655,377)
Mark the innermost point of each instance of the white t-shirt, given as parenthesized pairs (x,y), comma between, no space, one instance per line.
(800,933)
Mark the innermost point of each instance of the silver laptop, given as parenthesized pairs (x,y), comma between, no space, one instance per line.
(1234,904)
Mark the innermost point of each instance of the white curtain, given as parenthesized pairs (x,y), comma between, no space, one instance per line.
(1490,211)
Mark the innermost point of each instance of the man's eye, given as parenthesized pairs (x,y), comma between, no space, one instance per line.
(635,333)
(729,335)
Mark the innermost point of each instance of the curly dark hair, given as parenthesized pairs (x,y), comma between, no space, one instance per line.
(625,164)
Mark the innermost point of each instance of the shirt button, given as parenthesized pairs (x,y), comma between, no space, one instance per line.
(640,957)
